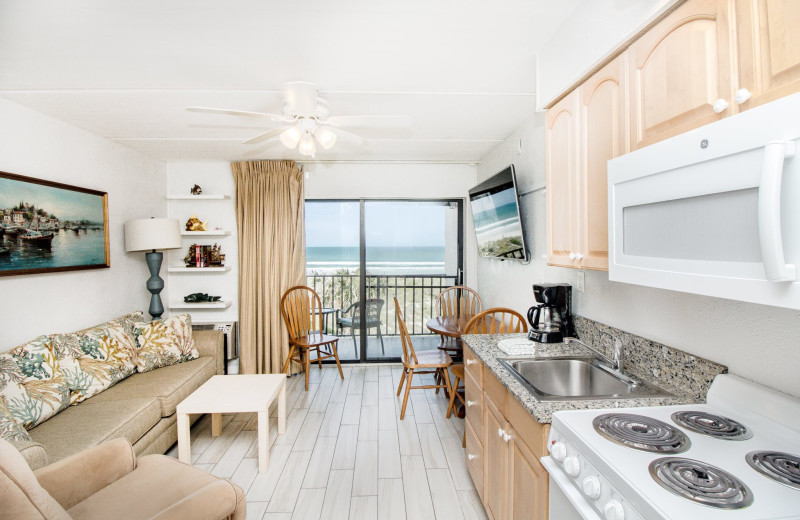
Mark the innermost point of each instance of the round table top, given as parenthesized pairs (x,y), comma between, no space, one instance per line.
(450,326)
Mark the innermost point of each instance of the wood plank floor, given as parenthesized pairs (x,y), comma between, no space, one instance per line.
(346,454)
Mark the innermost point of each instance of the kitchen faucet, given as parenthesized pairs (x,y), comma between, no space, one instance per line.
(615,361)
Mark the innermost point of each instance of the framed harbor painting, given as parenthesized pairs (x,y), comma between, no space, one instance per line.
(47,226)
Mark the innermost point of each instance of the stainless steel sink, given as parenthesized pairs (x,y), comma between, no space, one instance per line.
(570,378)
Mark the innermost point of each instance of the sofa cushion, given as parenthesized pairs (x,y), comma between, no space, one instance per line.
(90,423)
(95,359)
(170,385)
(164,342)
(31,382)
(159,483)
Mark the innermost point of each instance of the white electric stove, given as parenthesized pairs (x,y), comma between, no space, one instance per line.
(650,463)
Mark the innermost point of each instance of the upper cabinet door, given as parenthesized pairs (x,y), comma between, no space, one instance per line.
(768,36)
(603,121)
(562,163)
(680,73)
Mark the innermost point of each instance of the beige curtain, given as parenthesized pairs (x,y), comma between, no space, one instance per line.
(269,216)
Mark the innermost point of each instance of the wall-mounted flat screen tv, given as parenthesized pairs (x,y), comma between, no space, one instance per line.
(495,213)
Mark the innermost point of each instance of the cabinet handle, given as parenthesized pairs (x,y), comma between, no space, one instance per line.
(501,433)
(470,456)
(572,256)
(470,362)
(578,256)
(506,437)
(470,403)
(741,96)
(720,105)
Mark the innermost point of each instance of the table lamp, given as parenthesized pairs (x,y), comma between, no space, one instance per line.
(153,235)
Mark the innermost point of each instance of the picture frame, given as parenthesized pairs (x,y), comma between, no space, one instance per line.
(48,227)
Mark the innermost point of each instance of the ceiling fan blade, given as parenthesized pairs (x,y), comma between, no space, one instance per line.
(260,138)
(369,121)
(263,115)
(351,136)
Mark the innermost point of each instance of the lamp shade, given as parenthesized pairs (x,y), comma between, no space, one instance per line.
(147,234)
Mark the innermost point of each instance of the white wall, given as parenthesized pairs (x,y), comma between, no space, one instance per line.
(397,180)
(754,341)
(214,177)
(594,29)
(36,145)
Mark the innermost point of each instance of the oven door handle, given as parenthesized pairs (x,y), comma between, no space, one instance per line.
(570,491)
(769,212)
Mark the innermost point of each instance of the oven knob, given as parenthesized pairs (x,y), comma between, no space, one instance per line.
(572,466)
(591,487)
(558,451)
(613,510)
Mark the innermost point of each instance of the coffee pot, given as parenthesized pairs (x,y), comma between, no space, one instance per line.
(551,318)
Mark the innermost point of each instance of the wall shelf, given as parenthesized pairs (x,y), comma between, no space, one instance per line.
(222,304)
(199,270)
(198,197)
(212,233)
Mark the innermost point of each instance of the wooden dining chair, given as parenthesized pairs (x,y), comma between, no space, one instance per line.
(497,320)
(301,310)
(454,302)
(458,377)
(418,363)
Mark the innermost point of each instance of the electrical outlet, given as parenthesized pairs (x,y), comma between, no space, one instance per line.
(581,282)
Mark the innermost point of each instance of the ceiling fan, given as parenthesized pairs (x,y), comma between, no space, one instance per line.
(306,120)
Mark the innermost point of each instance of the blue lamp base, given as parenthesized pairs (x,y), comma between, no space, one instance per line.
(155,284)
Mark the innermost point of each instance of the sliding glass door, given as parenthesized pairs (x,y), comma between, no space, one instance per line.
(362,254)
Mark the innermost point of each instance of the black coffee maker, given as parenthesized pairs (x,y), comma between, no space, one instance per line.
(551,318)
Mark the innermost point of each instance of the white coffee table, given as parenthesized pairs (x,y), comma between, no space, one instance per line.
(234,394)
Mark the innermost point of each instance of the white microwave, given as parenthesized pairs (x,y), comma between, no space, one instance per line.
(714,211)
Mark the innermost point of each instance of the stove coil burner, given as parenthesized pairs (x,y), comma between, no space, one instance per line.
(641,432)
(712,425)
(780,467)
(701,483)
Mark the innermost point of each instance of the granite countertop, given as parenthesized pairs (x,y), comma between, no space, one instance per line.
(485,348)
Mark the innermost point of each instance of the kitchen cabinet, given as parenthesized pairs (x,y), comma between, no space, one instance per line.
(584,131)
(768,50)
(680,72)
(503,458)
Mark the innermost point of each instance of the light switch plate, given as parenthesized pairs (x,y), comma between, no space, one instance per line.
(581,282)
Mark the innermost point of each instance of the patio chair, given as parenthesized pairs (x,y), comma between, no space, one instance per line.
(351,317)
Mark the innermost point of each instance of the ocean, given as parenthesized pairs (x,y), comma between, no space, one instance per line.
(380,260)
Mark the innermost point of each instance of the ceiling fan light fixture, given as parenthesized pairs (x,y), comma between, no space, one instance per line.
(307,146)
(291,136)
(325,137)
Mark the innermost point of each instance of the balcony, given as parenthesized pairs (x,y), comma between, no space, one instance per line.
(417,296)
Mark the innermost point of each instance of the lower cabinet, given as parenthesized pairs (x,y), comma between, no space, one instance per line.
(503,458)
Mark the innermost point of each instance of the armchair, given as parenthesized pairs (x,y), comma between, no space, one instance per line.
(351,317)
(108,481)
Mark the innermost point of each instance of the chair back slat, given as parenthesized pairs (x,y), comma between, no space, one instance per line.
(409,356)
(459,301)
(301,309)
(497,320)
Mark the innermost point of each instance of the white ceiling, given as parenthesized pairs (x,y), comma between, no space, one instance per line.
(463,70)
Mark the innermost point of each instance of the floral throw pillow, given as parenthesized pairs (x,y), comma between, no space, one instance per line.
(164,342)
(10,430)
(32,385)
(95,359)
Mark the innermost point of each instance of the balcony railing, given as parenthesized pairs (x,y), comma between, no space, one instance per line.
(416,294)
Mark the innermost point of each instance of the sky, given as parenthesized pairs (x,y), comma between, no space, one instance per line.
(64,204)
(388,223)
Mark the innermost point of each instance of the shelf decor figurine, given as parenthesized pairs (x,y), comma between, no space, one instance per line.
(194,224)
(196,190)
(200,298)
(153,235)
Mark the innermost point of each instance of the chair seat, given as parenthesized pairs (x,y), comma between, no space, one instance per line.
(458,371)
(432,358)
(314,340)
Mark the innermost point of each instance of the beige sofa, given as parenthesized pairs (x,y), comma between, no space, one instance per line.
(140,409)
